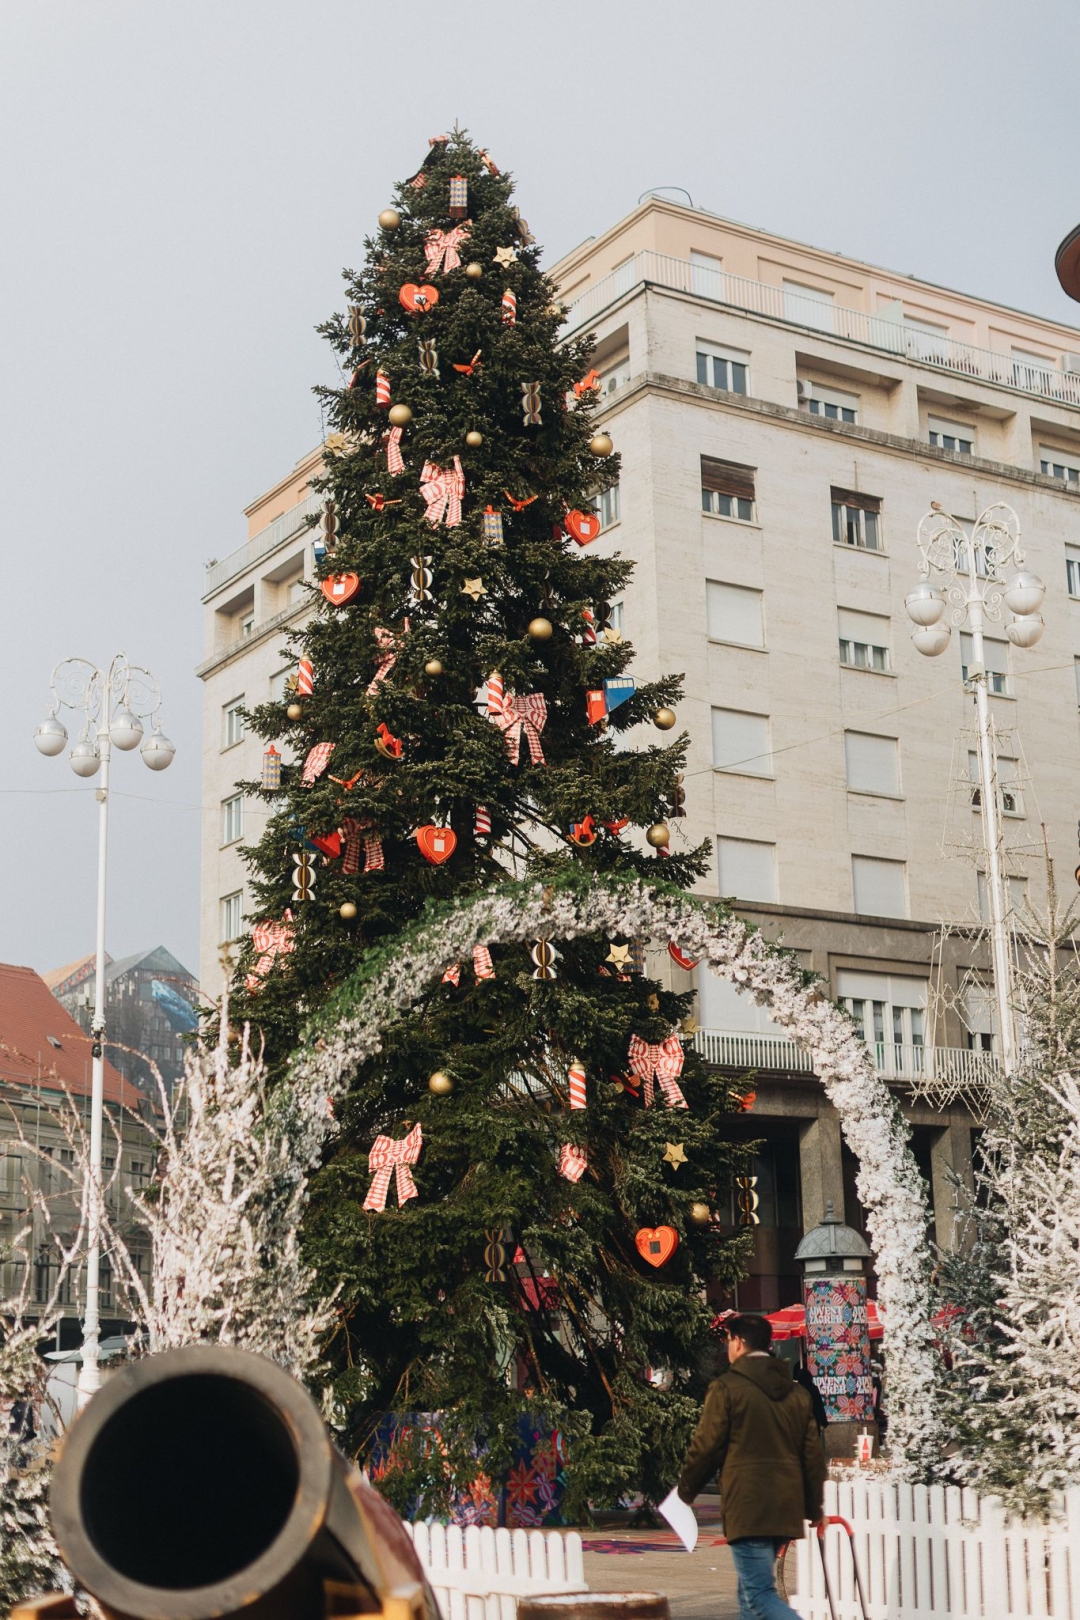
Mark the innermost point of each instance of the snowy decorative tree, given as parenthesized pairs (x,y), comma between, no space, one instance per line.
(1012,1396)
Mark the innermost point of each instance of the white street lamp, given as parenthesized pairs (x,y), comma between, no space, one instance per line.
(113,704)
(971,567)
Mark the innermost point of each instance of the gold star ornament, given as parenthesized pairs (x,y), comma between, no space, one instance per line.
(505,256)
(474,588)
(619,956)
(674,1155)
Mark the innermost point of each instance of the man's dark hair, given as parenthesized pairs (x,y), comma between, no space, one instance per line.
(754,1331)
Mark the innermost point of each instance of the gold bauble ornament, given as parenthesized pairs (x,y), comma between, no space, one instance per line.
(399,415)
(389,219)
(600,444)
(433,666)
(474,271)
(699,1214)
(347,911)
(540,629)
(664,719)
(473,439)
(440,1083)
(295,711)
(659,835)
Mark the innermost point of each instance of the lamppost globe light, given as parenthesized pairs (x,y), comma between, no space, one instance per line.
(51,736)
(931,639)
(1026,629)
(157,751)
(1024,593)
(925,603)
(85,759)
(126,730)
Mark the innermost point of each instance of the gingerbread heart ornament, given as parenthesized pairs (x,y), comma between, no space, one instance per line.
(437,844)
(418,299)
(340,588)
(582,526)
(656,1243)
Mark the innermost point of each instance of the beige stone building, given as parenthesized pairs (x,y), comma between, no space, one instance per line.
(785,416)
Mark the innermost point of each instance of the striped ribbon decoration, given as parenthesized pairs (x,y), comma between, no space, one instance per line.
(665,1061)
(509,307)
(452,975)
(496,695)
(483,966)
(573,1161)
(317,761)
(387,1158)
(576,1076)
(441,248)
(382,390)
(482,824)
(442,489)
(528,715)
(394,462)
(361,836)
(305,678)
(270,939)
(388,647)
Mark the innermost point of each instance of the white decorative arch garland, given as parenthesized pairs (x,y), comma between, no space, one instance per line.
(350,1029)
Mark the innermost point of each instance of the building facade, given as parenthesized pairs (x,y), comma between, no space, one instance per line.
(785,417)
(150,1007)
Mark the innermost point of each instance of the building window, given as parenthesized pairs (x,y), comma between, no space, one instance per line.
(746,868)
(1057,464)
(734,614)
(1010,798)
(879,887)
(1072,569)
(232,818)
(872,763)
(722,368)
(829,402)
(957,436)
(808,306)
(996,654)
(856,520)
(706,275)
(741,742)
(278,689)
(864,640)
(889,1010)
(606,507)
(1017,895)
(247,622)
(1076,675)
(231,911)
(297,592)
(727,489)
(233,722)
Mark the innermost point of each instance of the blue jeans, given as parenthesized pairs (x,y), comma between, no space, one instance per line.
(755,1561)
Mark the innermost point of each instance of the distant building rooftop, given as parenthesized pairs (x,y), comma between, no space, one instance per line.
(42,1045)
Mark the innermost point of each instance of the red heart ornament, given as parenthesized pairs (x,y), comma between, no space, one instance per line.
(437,844)
(327,843)
(340,588)
(418,299)
(680,958)
(582,526)
(656,1243)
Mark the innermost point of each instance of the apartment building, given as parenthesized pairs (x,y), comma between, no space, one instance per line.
(785,417)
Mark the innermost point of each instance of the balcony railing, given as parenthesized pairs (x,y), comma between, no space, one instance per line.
(885,330)
(283,528)
(730,1049)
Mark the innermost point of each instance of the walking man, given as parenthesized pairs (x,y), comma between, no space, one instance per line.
(757,1428)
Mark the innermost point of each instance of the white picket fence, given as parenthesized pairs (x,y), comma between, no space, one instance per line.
(478,1573)
(926,1553)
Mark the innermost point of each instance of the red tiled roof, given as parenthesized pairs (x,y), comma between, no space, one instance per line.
(29,1014)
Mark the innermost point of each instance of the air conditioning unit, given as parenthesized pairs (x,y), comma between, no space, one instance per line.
(803,390)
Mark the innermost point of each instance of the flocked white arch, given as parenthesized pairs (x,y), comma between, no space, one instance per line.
(350,1029)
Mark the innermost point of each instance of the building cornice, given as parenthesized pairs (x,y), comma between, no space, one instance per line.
(237,649)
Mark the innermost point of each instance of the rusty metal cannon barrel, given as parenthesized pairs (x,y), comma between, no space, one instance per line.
(201,1483)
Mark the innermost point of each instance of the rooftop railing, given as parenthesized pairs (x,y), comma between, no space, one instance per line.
(282,528)
(884,330)
(732,1049)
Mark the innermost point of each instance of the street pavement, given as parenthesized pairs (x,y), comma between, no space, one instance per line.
(698,1585)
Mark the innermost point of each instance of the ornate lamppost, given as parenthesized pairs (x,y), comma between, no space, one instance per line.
(971,566)
(112,704)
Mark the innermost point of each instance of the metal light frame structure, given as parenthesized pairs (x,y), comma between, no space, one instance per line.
(113,703)
(972,569)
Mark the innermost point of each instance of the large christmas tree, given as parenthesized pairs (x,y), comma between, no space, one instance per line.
(463,718)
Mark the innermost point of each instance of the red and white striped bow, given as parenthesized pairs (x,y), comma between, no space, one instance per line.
(388,1156)
(573,1161)
(526,714)
(441,248)
(270,938)
(442,489)
(388,645)
(361,835)
(665,1060)
(394,463)
(317,761)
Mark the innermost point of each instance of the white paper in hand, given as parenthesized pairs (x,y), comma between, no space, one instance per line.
(680,1515)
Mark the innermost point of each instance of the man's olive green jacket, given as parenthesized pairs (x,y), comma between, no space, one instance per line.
(757,1429)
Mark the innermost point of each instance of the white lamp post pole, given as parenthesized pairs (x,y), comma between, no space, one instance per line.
(971,566)
(113,704)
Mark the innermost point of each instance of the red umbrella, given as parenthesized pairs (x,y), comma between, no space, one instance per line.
(790,1323)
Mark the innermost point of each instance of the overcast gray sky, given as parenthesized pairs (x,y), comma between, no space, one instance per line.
(182,181)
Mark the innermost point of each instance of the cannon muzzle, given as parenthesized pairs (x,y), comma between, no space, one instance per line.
(201,1483)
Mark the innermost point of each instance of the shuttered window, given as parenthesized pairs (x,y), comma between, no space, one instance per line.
(727,489)
(864,640)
